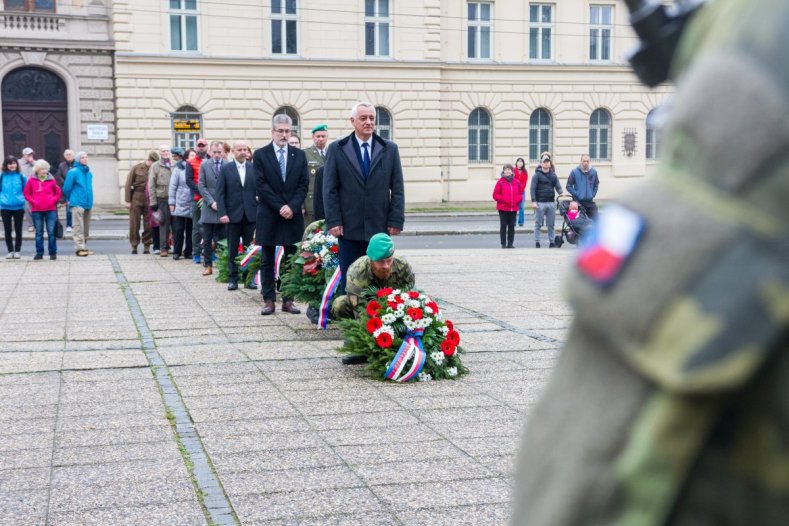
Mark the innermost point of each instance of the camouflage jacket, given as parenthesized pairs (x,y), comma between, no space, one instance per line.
(360,278)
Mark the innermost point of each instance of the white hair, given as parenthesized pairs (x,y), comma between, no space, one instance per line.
(163,147)
(281,118)
(68,152)
(39,164)
(362,105)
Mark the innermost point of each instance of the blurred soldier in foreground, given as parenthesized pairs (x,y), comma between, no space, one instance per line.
(670,402)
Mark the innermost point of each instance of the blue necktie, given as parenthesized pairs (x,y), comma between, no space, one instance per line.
(282,162)
(366,160)
(218,166)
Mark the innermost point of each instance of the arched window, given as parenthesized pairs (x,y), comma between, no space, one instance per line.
(653,134)
(383,123)
(539,133)
(600,135)
(479,124)
(291,112)
(187,126)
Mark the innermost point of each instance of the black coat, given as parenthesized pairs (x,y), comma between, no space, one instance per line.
(363,207)
(317,198)
(272,193)
(231,199)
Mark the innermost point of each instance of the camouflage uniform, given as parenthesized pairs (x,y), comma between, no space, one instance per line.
(314,161)
(670,402)
(360,278)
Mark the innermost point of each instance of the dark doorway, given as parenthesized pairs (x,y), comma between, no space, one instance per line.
(35,114)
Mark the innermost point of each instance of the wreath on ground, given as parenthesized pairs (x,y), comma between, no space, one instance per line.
(404,337)
(249,273)
(312,266)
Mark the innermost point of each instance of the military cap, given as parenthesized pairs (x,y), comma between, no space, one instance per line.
(380,247)
(320,127)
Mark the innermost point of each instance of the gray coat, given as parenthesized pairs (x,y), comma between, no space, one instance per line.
(206,183)
(180,195)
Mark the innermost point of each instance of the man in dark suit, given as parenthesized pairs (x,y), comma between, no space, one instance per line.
(236,205)
(210,226)
(282,179)
(363,191)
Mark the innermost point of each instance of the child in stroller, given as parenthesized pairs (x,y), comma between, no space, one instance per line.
(576,222)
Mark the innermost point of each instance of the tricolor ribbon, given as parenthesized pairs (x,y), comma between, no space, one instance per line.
(331,288)
(279,251)
(250,253)
(411,348)
(256,279)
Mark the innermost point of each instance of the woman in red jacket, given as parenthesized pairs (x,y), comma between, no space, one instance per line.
(508,194)
(43,194)
(522,176)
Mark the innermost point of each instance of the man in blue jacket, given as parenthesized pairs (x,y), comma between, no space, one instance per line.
(582,185)
(78,190)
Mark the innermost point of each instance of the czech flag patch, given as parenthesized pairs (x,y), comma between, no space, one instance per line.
(610,244)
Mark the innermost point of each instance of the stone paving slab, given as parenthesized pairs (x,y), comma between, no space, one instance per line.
(294,436)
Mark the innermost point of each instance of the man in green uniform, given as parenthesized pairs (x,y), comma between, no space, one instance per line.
(670,402)
(316,156)
(137,203)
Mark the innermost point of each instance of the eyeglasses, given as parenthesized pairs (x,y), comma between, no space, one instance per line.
(201,145)
(282,131)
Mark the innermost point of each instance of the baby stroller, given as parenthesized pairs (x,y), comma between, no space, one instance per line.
(572,229)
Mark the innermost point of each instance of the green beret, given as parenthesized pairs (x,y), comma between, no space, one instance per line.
(380,247)
(320,127)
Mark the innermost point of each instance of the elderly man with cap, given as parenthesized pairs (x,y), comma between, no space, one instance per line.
(137,203)
(380,268)
(316,157)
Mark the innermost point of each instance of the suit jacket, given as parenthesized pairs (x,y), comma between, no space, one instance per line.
(232,199)
(364,207)
(273,193)
(206,184)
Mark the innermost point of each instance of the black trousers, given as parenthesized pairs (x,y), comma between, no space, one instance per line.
(507,227)
(211,232)
(182,232)
(243,231)
(591,209)
(350,251)
(16,216)
(268,290)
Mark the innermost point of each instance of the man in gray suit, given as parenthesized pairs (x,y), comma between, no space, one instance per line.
(363,191)
(209,217)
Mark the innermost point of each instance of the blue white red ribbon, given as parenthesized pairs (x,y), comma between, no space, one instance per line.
(256,279)
(328,293)
(279,251)
(250,253)
(410,348)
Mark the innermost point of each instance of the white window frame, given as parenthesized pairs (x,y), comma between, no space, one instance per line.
(377,21)
(594,136)
(282,18)
(596,32)
(475,129)
(479,26)
(385,130)
(653,141)
(183,13)
(186,139)
(540,27)
(536,131)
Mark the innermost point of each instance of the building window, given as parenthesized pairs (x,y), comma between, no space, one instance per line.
(539,133)
(295,128)
(479,29)
(653,134)
(44,6)
(376,28)
(383,123)
(479,136)
(601,24)
(600,135)
(284,27)
(183,25)
(187,124)
(540,31)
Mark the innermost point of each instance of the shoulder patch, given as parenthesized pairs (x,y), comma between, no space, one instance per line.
(610,245)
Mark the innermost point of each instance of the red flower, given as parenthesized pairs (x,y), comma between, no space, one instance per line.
(448,348)
(373,324)
(317,231)
(415,313)
(314,272)
(392,305)
(433,305)
(372,308)
(385,292)
(449,325)
(414,295)
(334,249)
(454,337)
(399,300)
(384,340)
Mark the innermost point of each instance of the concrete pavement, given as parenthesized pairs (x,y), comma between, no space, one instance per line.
(135,391)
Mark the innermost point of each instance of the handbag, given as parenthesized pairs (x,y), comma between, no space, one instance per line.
(58,229)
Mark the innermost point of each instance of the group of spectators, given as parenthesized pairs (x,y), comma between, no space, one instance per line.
(28,187)
(510,196)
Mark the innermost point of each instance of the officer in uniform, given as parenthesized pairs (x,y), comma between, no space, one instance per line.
(137,203)
(670,401)
(316,157)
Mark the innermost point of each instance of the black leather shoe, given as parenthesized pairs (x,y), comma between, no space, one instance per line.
(268,308)
(251,286)
(313,314)
(287,306)
(233,285)
(353,359)
(551,246)
(537,244)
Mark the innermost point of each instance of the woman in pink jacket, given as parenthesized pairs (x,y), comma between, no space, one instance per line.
(43,194)
(508,193)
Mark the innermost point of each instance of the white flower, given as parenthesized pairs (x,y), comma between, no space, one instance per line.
(388,318)
(413,303)
(438,357)
(452,371)
(444,330)
(428,311)
(425,377)
(384,328)
(395,292)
